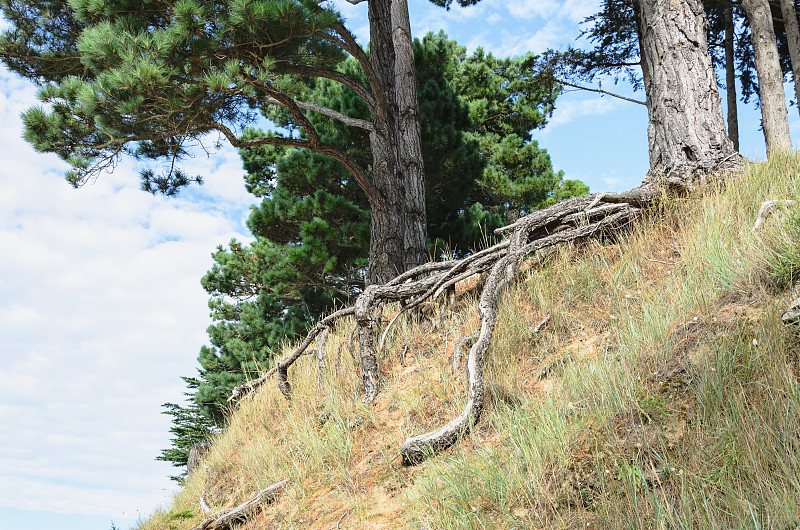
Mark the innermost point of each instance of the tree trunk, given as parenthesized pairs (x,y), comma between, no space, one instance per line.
(399,235)
(774,117)
(687,137)
(730,79)
(686,130)
(793,40)
(387,215)
(409,136)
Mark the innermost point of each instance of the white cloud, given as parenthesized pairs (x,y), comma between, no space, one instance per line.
(426,17)
(551,35)
(494,18)
(568,111)
(528,9)
(577,10)
(101,312)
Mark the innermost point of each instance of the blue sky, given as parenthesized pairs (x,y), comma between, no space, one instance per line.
(101,309)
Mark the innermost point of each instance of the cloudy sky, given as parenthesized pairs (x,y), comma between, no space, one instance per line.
(101,309)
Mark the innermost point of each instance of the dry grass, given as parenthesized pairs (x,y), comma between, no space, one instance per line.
(662,393)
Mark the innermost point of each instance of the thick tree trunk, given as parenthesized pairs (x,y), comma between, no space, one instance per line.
(730,80)
(398,171)
(686,130)
(409,136)
(793,38)
(387,237)
(387,215)
(774,118)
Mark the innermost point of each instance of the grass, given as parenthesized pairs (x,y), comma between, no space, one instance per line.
(663,393)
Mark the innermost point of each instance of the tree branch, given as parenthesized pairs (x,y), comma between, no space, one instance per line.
(363,181)
(339,77)
(325,111)
(599,91)
(358,53)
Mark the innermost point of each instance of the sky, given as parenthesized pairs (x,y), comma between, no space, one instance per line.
(101,308)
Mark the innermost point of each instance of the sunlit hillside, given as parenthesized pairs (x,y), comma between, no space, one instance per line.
(663,391)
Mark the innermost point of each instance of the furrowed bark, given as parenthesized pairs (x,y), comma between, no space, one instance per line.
(282,367)
(457,351)
(366,341)
(409,137)
(566,221)
(686,130)
(536,234)
(793,40)
(321,338)
(730,79)
(417,448)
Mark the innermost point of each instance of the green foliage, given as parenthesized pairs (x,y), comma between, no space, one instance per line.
(150,79)
(189,426)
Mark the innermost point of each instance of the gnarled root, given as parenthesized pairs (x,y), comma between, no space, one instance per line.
(416,448)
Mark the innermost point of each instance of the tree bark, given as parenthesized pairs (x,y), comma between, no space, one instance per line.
(196,452)
(228,518)
(793,39)
(774,117)
(399,234)
(686,130)
(730,79)
(387,214)
(409,136)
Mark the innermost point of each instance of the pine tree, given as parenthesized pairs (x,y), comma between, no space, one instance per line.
(152,79)
(189,426)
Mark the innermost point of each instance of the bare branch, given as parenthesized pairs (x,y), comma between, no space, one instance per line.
(599,91)
(361,177)
(325,111)
(351,82)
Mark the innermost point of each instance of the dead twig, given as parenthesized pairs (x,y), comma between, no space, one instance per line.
(767,209)
(540,325)
(665,262)
(458,349)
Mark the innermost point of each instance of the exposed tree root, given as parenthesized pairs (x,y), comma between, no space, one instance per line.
(458,349)
(226,518)
(533,235)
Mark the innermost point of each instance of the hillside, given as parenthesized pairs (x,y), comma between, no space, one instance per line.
(645,381)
